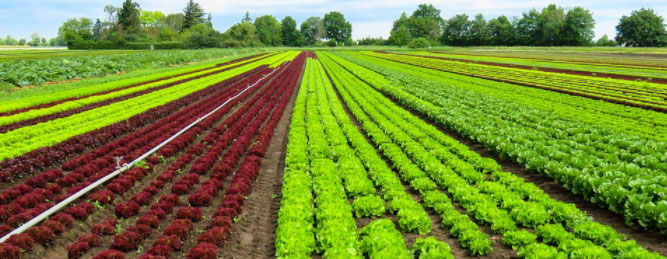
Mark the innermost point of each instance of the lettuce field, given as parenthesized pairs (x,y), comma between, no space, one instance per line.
(337,154)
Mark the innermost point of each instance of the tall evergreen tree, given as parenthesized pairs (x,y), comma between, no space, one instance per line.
(209,20)
(193,15)
(97,30)
(246,17)
(129,17)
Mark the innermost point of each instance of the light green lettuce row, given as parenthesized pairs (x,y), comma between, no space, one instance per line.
(66,106)
(23,140)
(73,93)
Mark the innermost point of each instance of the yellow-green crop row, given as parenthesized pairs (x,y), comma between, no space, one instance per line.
(73,93)
(66,106)
(23,140)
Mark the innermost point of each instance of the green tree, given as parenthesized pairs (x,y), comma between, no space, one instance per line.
(246,18)
(129,17)
(551,24)
(425,22)
(202,36)
(479,32)
(53,42)
(22,41)
(578,28)
(152,19)
(349,42)
(291,36)
(420,42)
(336,26)
(10,41)
(209,20)
(526,28)
(501,31)
(268,30)
(372,41)
(312,30)
(193,15)
(112,12)
(74,30)
(457,30)
(167,34)
(97,30)
(643,28)
(604,41)
(34,39)
(175,21)
(400,35)
(241,35)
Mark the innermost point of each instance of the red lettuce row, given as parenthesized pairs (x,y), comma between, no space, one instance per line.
(42,158)
(147,221)
(240,186)
(46,105)
(82,210)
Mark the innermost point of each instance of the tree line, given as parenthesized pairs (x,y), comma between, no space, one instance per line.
(128,26)
(35,40)
(265,30)
(552,26)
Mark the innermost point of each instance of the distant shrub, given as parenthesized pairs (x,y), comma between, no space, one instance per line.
(331,43)
(418,43)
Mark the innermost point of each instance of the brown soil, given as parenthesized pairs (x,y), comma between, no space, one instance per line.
(58,248)
(254,235)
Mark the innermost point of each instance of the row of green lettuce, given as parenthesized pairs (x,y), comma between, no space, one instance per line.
(20,141)
(623,172)
(613,57)
(635,121)
(24,72)
(89,85)
(505,203)
(638,93)
(146,82)
(323,170)
(644,72)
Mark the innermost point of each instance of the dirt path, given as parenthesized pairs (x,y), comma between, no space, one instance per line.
(254,235)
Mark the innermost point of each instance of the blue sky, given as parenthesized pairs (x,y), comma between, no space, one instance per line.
(20,18)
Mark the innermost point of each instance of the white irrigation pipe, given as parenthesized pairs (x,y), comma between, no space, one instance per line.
(123,168)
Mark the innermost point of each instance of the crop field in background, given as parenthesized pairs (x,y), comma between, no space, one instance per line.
(338,153)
